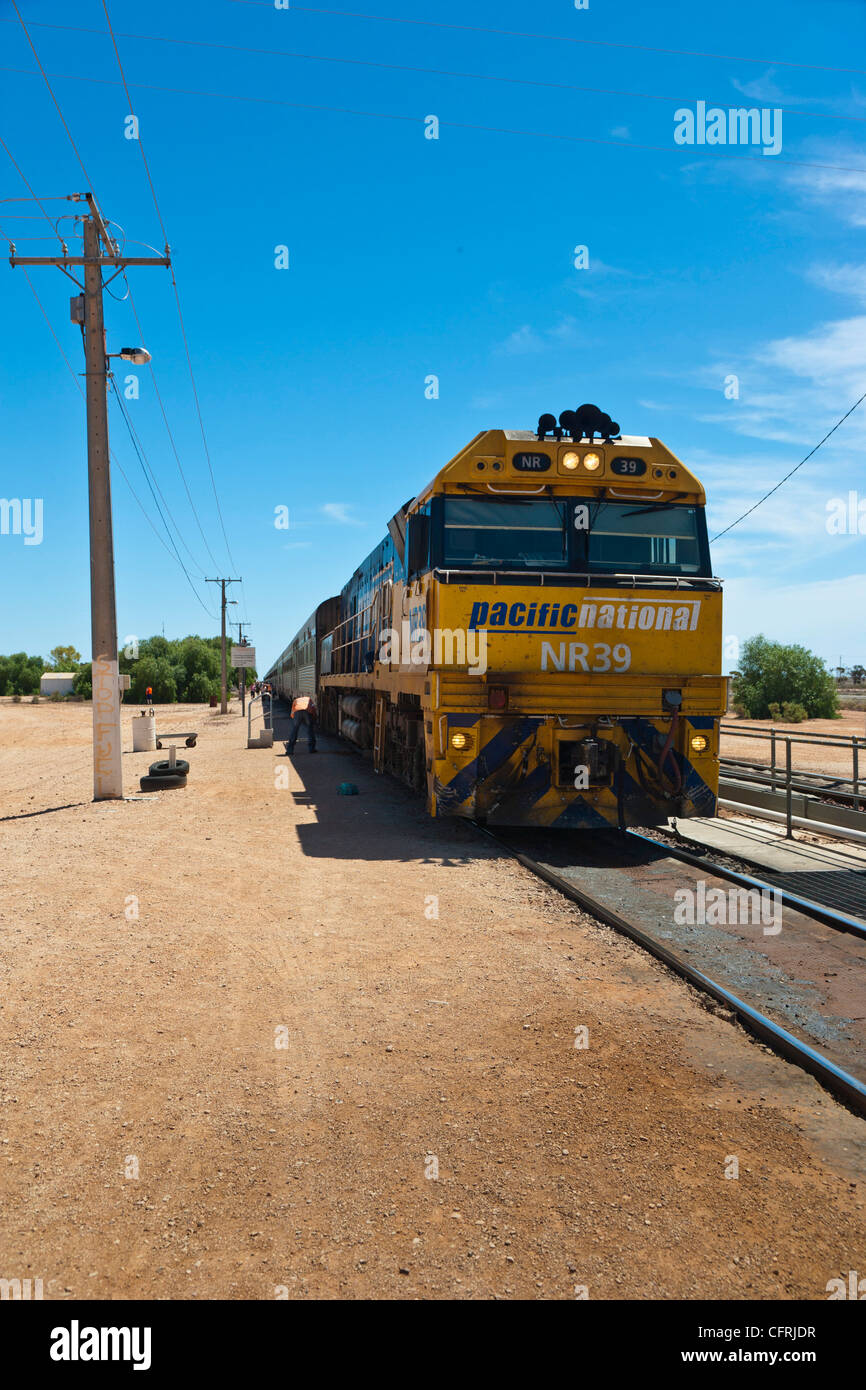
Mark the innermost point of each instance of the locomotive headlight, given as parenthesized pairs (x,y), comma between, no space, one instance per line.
(591,462)
(570,460)
(458,741)
(698,743)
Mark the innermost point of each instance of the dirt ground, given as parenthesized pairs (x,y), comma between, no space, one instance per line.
(262,1040)
(804,756)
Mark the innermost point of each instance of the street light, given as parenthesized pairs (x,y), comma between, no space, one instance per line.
(139,355)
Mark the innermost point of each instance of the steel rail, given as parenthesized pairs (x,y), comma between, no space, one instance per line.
(828,915)
(847,1087)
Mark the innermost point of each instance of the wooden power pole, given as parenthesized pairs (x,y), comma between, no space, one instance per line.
(223,675)
(100,250)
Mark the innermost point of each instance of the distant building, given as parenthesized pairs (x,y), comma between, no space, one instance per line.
(56,683)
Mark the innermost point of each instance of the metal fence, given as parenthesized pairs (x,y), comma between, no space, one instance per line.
(782,776)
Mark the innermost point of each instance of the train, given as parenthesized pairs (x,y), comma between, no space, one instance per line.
(537,639)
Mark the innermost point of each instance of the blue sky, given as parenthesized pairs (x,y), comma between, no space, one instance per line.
(410,257)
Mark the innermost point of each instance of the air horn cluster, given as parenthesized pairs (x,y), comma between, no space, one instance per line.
(583,423)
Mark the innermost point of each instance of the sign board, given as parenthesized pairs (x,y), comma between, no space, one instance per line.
(243,656)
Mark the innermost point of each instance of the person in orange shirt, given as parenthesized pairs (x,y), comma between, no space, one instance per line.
(303,715)
(148,694)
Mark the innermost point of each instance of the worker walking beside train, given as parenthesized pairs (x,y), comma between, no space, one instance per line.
(304,714)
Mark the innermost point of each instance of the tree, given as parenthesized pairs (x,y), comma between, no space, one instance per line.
(857,673)
(83,683)
(183,669)
(772,673)
(20,674)
(156,672)
(64,659)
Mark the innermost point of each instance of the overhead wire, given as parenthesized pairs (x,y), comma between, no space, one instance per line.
(29,186)
(795,469)
(153,191)
(48,321)
(113,456)
(131,427)
(176,294)
(145,471)
(717,154)
(416,70)
(158,395)
(87,177)
(553,38)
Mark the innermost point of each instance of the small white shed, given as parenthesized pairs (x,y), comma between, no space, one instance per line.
(56,682)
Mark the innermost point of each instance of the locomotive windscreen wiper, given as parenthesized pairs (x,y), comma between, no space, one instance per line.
(656,506)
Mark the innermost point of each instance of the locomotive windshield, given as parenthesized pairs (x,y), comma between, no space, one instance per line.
(508,533)
(515,533)
(635,538)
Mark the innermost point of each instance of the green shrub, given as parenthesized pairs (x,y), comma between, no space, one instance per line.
(793,713)
(773,675)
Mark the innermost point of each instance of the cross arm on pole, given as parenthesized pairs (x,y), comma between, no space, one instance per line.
(119,261)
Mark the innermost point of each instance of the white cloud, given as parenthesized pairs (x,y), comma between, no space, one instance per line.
(841,192)
(527,339)
(339,512)
(766,90)
(841,279)
(823,615)
(522,340)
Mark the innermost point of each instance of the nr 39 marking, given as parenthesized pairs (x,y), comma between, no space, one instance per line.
(577,656)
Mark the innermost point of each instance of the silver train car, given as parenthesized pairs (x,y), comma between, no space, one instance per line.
(296,671)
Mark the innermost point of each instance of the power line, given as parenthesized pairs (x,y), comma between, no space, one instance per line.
(553,38)
(452,125)
(78,387)
(87,177)
(170,435)
(793,470)
(144,469)
(78,384)
(33,196)
(176,296)
(156,204)
(134,431)
(431,72)
(138,141)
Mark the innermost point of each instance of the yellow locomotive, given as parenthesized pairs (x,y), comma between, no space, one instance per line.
(537,640)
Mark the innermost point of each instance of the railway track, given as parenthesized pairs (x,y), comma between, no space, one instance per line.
(822,912)
(790,987)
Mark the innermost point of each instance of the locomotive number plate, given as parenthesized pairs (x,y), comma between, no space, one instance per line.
(532,463)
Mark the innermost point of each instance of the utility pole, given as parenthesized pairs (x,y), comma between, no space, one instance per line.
(242,642)
(100,249)
(223,684)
